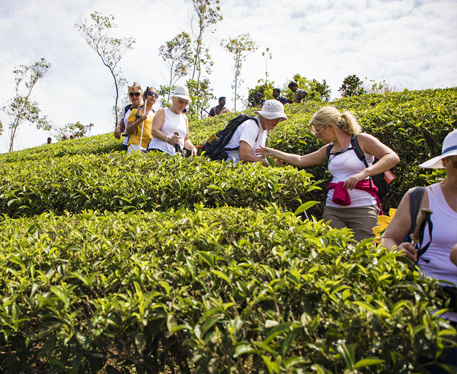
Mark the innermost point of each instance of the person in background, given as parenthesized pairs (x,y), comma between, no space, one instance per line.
(352,199)
(64,137)
(258,101)
(170,128)
(299,95)
(277,96)
(219,109)
(136,100)
(72,136)
(49,140)
(140,122)
(252,134)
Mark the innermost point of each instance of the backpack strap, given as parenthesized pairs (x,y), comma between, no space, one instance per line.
(328,150)
(415,200)
(358,151)
(236,148)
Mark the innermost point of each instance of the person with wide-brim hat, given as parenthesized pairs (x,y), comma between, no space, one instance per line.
(441,199)
(170,128)
(253,133)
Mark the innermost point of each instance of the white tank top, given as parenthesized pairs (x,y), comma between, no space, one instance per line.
(342,167)
(444,236)
(173,123)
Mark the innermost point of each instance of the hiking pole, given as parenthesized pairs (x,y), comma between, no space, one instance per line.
(177,146)
(142,124)
(415,236)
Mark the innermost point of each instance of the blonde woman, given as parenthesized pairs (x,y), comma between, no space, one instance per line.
(140,123)
(136,100)
(352,199)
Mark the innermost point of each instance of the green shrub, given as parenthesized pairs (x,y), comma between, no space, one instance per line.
(149,181)
(211,290)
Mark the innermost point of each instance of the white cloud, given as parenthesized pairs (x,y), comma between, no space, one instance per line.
(409,43)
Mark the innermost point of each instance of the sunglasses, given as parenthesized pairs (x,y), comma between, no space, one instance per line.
(152,93)
(318,132)
(136,94)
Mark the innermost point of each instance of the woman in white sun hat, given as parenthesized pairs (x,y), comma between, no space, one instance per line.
(170,128)
(252,134)
(441,199)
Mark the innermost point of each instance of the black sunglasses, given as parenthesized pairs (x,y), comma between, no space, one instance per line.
(152,93)
(131,94)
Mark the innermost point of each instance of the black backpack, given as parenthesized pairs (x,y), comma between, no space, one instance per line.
(215,145)
(378,179)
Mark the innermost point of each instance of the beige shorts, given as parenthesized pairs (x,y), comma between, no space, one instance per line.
(360,220)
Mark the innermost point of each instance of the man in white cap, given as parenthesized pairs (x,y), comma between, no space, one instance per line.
(252,134)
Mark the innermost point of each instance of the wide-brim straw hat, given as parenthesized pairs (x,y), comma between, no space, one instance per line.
(272,109)
(181,92)
(449,149)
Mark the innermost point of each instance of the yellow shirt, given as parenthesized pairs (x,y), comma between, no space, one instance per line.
(146,127)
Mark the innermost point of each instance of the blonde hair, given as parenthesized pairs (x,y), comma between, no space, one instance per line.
(134,88)
(330,115)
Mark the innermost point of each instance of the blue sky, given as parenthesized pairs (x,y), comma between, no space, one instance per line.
(411,44)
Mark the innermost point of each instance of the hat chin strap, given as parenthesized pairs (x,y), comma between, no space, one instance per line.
(262,121)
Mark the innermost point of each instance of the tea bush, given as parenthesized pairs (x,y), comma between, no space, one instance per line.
(144,181)
(208,291)
(193,266)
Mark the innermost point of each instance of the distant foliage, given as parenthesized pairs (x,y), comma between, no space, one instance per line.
(21,109)
(177,55)
(352,86)
(239,47)
(77,129)
(110,49)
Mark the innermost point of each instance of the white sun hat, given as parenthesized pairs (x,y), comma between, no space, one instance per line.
(449,149)
(272,109)
(181,92)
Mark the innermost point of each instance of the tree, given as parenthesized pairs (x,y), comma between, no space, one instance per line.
(352,86)
(20,108)
(380,87)
(206,13)
(321,90)
(201,94)
(268,56)
(77,129)
(265,88)
(109,49)
(177,55)
(239,47)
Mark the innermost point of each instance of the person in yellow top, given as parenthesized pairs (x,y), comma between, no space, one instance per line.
(140,122)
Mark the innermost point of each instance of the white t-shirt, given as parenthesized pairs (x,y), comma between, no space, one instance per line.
(126,118)
(249,132)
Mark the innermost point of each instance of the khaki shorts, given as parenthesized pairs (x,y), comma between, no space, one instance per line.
(360,220)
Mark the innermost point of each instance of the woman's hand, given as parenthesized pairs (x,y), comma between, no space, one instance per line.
(352,181)
(193,151)
(173,139)
(408,251)
(264,151)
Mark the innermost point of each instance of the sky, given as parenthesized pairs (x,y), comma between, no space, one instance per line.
(409,43)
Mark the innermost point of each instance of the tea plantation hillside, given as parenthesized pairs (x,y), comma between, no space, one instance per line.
(115,263)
